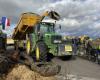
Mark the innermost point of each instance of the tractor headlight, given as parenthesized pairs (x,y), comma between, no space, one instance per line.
(57,41)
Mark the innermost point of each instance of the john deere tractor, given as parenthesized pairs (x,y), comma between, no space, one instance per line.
(40,37)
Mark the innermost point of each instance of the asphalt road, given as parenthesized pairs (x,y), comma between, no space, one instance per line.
(79,67)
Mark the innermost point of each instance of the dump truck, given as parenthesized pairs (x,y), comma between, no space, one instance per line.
(20,45)
(40,39)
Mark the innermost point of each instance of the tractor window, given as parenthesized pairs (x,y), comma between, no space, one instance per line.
(43,28)
(46,27)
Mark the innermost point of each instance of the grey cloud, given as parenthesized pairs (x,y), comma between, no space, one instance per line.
(85,12)
(13,8)
(80,15)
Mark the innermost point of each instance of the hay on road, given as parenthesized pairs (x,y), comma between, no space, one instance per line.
(21,72)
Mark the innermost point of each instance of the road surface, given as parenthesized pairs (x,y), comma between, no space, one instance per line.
(79,67)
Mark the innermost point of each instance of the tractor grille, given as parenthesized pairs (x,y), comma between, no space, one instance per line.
(64,49)
(56,37)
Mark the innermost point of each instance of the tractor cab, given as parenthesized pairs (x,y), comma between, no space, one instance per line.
(45,27)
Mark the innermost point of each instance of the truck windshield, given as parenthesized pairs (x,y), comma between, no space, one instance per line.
(47,27)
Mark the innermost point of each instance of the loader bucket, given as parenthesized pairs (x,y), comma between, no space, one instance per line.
(54,15)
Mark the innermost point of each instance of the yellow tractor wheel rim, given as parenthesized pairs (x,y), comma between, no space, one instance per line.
(37,53)
(28,46)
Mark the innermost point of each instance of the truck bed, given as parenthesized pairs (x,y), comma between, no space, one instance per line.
(25,25)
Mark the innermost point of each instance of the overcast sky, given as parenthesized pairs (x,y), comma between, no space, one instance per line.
(78,17)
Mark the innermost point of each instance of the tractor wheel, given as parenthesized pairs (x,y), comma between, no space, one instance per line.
(41,52)
(28,47)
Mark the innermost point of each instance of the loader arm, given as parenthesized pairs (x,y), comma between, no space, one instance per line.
(52,14)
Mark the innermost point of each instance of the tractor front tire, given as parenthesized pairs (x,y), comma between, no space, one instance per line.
(41,52)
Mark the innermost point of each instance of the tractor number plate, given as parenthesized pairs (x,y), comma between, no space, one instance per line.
(68,48)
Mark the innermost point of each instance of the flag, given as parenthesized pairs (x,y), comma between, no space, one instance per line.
(5,22)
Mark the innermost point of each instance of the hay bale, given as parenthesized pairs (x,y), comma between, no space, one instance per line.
(21,72)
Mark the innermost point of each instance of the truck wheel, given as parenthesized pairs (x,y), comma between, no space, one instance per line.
(28,46)
(41,52)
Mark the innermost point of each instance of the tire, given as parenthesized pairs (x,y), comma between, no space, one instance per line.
(28,49)
(29,44)
(41,52)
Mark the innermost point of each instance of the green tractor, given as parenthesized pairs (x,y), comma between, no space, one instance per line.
(41,37)
(45,40)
